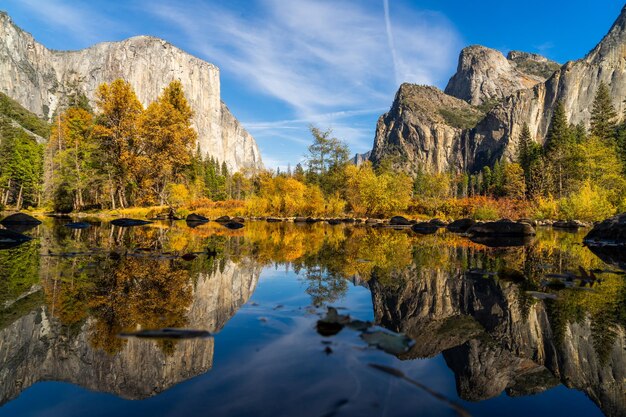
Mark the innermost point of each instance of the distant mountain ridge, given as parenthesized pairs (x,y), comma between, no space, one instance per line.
(41,79)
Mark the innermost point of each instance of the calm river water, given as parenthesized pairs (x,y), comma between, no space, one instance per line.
(431,325)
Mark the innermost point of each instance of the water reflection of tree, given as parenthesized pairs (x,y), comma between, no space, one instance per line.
(135,294)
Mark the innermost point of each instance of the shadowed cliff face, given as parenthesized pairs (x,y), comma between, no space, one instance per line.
(39,347)
(41,80)
(495,337)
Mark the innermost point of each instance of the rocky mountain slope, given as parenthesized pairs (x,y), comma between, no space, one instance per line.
(424,129)
(484,75)
(514,87)
(40,79)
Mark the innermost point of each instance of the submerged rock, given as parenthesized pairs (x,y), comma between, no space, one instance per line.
(124,222)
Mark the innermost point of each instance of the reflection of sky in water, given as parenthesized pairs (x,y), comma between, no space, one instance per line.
(268,359)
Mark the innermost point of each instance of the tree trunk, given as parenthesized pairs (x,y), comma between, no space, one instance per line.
(18,205)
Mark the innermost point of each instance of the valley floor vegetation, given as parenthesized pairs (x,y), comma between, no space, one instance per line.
(124,159)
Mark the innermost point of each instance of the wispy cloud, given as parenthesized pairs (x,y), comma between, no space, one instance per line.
(320,57)
(76,20)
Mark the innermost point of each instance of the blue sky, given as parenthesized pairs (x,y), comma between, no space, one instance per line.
(286,64)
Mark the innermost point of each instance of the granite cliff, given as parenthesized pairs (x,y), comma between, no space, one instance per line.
(521,88)
(485,76)
(41,79)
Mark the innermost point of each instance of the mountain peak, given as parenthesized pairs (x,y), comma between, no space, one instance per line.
(485,75)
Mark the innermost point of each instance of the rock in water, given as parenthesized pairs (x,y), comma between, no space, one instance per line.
(20,218)
(568,224)
(501,228)
(193,217)
(124,222)
(223,219)
(399,221)
(461,225)
(611,231)
(41,79)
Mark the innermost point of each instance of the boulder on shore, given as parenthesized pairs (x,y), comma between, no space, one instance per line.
(461,225)
(501,228)
(124,222)
(438,222)
(399,221)
(608,232)
(20,218)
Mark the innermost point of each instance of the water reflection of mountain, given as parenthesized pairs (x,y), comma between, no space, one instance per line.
(38,347)
(495,338)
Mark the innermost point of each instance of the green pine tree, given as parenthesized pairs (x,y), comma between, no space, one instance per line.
(603,114)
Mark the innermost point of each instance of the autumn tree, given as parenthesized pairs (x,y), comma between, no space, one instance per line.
(117,132)
(167,140)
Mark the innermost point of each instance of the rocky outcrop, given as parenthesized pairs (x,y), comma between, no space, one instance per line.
(36,347)
(575,84)
(485,76)
(360,158)
(424,130)
(41,80)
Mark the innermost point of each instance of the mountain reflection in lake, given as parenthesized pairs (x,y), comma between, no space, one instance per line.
(495,331)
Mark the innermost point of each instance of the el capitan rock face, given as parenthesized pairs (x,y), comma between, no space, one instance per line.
(41,79)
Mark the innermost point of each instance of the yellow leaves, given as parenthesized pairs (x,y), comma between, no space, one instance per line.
(381,195)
